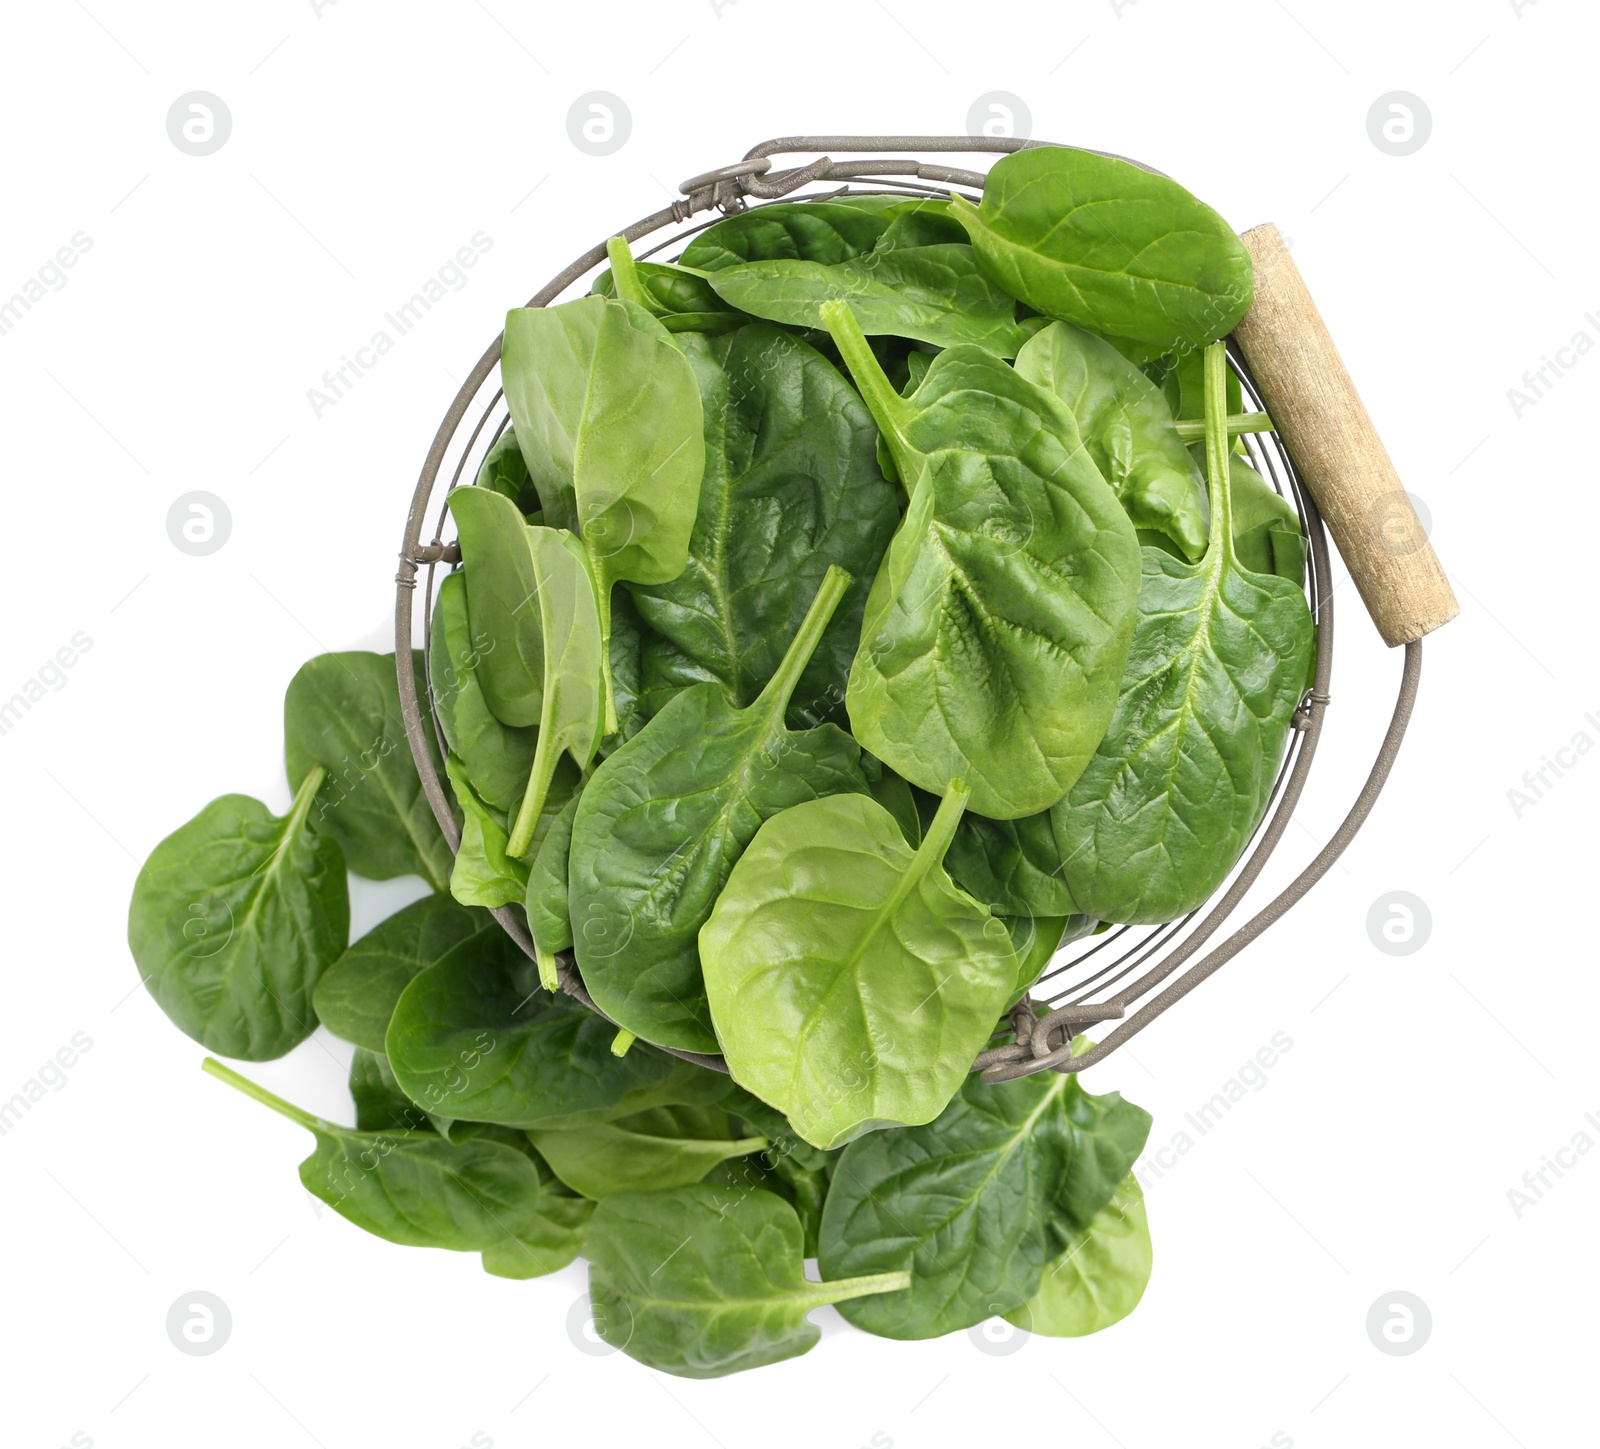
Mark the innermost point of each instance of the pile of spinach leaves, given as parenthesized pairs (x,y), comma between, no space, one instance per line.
(855,609)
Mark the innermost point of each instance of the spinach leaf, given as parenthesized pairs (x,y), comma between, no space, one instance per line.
(1098,1273)
(1012,866)
(550,1240)
(791,488)
(608,414)
(813,231)
(1184,772)
(997,629)
(380,1104)
(477,1036)
(920,224)
(545,902)
(1037,939)
(1109,246)
(1127,428)
(569,718)
(934,294)
(342,712)
(662,1148)
(235,916)
(663,821)
(484,874)
(973,1202)
(680,296)
(496,757)
(356,995)
(504,471)
(851,983)
(692,1286)
(626,652)
(412,1188)
(502,588)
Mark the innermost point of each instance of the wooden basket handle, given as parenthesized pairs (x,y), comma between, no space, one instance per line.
(1320,416)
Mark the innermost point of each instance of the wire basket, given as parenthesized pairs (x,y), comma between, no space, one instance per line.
(1127,974)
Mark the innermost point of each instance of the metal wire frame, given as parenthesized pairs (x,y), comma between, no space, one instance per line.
(1041,1041)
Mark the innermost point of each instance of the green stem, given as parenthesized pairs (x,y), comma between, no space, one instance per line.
(775,696)
(941,830)
(1217,465)
(625,272)
(622,1041)
(548,977)
(1192,430)
(546,755)
(300,807)
(842,1288)
(602,598)
(888,408)
(266,1098)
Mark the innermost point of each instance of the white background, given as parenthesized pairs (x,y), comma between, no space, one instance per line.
(369,143)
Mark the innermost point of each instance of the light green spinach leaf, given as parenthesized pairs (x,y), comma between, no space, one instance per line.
(496,757)
(997,629)
(1098,1273)
(608,415)
(1127,428)
(850,982)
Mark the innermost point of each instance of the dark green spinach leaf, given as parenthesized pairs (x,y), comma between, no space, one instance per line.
(413,1188)
(791,488)
(694,1286)
(342,712)
(234,918)
(665,817)
(356,995)
(935,294)
(972,1202)
(649,1151)
(1179,782)
(477,1036)
(1106,245)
